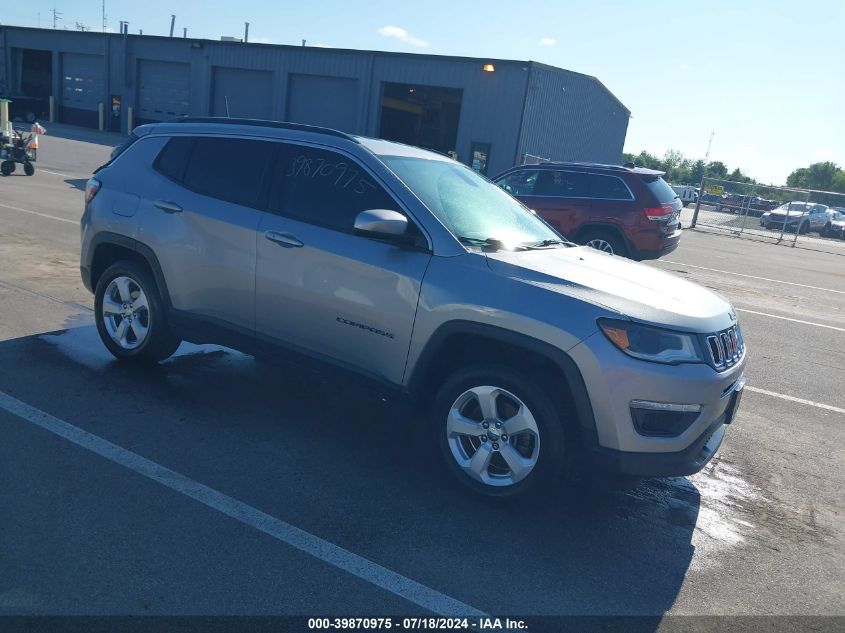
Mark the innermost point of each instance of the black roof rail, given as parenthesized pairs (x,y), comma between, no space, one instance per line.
(576,163)
(264,123)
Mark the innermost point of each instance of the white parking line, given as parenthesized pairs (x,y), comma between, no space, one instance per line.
(818,405)
(43,215)
(55,173)
(775,316)
(728,272)
(306,542)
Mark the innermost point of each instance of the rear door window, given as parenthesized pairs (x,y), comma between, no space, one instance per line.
(563,184)
(663,192)
(604,187)
(324,188)
(230,169)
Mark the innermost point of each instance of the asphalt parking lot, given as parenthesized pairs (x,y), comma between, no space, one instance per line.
(216,484)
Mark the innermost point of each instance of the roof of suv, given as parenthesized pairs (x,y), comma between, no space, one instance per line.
(377,146)
(643,171)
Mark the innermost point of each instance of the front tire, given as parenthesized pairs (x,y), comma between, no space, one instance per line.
(130,315)
(499,433)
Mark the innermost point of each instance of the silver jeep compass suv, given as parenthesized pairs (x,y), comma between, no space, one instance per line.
(530,353)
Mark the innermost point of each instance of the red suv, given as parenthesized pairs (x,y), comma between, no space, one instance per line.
(628,211)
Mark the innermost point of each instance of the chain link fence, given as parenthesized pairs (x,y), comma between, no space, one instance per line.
(797,217)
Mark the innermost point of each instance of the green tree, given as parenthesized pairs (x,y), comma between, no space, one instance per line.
(826,176)
(716,169)
(697,172)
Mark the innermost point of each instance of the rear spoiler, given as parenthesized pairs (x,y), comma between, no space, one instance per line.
(644,171)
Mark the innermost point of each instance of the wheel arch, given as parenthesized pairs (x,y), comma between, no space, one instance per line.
(602,226)
(456,343)
(107,248)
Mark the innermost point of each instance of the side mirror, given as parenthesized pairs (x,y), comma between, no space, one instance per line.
(382,223)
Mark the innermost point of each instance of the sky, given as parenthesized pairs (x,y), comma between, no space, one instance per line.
(766,76)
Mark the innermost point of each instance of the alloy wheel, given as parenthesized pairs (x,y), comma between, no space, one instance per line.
(600,245)
(493,436)
(126,312)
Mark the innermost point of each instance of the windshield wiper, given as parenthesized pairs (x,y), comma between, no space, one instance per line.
(547,243)
(477,241)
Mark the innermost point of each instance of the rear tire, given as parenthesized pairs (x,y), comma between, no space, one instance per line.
(487,460)
(7,167)
(130,315)
(605,241)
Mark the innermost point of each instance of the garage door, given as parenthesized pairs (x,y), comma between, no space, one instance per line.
(83,88)
(164,90)
(248,93)
(327,101)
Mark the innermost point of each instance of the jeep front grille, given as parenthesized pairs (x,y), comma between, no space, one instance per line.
(726,347)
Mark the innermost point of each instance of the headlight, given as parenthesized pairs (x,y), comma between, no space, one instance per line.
(651,343)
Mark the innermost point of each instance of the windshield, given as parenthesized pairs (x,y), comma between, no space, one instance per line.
(470,206)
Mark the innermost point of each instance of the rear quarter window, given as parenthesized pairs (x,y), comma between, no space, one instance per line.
(661,190)
(174,157)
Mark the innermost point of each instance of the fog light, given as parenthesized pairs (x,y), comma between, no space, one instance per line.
(663,419)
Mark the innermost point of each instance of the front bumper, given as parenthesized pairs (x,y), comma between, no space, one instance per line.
(614,381)
(676,464)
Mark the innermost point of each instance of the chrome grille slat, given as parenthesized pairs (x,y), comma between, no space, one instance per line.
(725,347)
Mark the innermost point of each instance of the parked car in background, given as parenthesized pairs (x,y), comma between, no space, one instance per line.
(713,199)
(752,205)
(803,217)
(628,211)
(528,354)
(836,228)
(687,193)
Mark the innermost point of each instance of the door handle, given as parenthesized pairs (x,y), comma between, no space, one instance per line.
(284,239)
(167,206)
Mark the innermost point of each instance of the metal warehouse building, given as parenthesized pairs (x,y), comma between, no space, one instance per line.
(491,112)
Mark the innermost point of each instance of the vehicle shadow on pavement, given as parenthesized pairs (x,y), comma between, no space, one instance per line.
(317,451)
(77,183)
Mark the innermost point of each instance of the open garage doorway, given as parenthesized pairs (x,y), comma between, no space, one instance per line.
(425,116)
(31,94)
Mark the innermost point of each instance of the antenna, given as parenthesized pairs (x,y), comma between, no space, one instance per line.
(709,144)
(246,32)
(172,24)
(184,31)
(105,23)
(57,15)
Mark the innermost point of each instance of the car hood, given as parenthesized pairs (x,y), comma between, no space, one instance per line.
(631,289)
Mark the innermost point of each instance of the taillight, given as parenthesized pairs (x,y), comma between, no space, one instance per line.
(660,213)
(91,189)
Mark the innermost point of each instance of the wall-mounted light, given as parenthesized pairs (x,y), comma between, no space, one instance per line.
(489,68)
